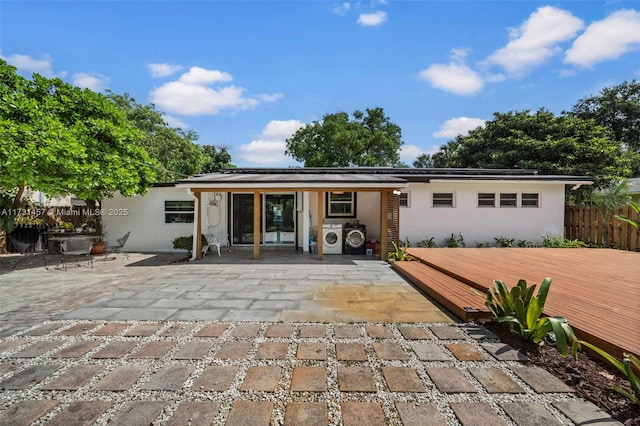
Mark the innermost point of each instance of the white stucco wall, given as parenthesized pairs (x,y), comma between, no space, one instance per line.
(145,219)
(421,221)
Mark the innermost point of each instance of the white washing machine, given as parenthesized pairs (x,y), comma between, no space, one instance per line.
(332,238)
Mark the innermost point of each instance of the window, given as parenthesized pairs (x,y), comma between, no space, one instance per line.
(404,199)
(530,200)
(486,199)
(442,199)
(509,199)
(341,204)
(178,211)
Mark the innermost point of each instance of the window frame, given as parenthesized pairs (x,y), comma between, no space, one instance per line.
(452,201)
(493,200)
(178,213)
(530,206)
(328,202)
(407,198)
(512,201)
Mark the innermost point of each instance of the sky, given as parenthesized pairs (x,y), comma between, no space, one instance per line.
(248,74)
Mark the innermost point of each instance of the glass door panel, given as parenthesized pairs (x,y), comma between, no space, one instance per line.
(279,219)
(242,219)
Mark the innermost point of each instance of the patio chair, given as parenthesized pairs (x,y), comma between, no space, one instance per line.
(117,248)
(217,241)
(79,246)
(27,250)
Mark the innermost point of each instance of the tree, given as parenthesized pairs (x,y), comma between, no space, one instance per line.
(61,140)
(175,149)
(608,200)
(216,158)
(618,109)
(336,141)
(562,145)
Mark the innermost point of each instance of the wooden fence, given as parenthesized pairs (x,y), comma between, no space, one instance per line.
(585,224)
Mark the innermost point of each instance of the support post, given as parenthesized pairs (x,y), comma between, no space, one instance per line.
(320,223)
(198,213)
(256,225)
(384,198)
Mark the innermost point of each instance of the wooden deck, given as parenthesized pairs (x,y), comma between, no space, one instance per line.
(597,290)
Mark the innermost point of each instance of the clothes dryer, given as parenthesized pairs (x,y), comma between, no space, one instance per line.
(332,238)
(355,237)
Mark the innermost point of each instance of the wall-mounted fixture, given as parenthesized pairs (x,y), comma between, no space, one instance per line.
(397,192)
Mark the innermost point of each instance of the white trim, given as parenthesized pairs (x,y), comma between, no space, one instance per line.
(307,186)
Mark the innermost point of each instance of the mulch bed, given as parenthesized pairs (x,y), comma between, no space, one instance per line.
(591,378)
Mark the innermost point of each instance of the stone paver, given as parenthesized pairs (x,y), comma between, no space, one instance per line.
(28,377)
(379,332)
(120,379)
(154,350)
(447,333)
(584,413)
(254,413)
(541,380)
(312,331)
(356,379)
(194,413)
(262,378)
(76,330)
(113,329)
(476,414)
(402,379)
(504,352)
(37,349)
(116,349)
(212,330)
(420,414)
(495,380)
(193,350)
(450,380)
(215,378)
(169,378)
(234,350)
(312,350)
(143,330)
(389,351)
(74,378)
(26,412)
(306,413)
(359,413)
(138,413)
(80,413)
(346,332)
(529,414)
(279,330)
(77,349)
(350,352)
(273,350)
(412,332)
(429,352)
(466,352)
(309,379)
(249,331)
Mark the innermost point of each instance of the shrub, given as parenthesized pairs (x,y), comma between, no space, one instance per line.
(454,241)
(523,313)
(186,243)
(430,243)
(560,242)
(504,242)
(483,244)
(399,253)
(525,243)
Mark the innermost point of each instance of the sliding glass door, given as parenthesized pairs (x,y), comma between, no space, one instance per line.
(277,219)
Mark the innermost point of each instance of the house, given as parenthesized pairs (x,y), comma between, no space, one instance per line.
(634,189)
(263,208)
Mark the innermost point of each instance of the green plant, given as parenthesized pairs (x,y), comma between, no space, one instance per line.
(483,244)
(430,243)
(454,241)
(504,242)
(626,367)
(186,243)
(560,242)
(636,208)
(525,243)
(399,253)
(522,311)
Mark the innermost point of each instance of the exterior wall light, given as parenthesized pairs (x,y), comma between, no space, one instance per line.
(397,192)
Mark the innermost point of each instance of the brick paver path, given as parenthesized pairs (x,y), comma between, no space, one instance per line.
(234,373)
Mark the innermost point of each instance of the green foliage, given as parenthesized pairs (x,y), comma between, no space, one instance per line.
(186,243)
(633,222)
(399,252)
(216,158)
(337,141)
(525,243)
(553,145)
(483,244)
(522,311)
(626,366)
(428,242)
(454,241)
(504,242)
(561,242)
(608,200)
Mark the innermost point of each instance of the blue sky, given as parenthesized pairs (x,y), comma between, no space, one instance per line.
(248,74)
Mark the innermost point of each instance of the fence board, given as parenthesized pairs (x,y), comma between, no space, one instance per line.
(585,224)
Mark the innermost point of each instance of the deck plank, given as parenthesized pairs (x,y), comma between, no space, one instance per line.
(597,290)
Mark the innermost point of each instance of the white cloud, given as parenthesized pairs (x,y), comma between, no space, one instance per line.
(342,8)
(175,122)
(372,19)
(408,153)
(453,77)
(94,81)
(458,126)
(42,66)
(608,39)
(536,40)
(269,148)
(191,94)
(163,70)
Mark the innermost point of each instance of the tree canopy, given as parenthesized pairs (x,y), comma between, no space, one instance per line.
(337,141)
(562,145)
(60,139)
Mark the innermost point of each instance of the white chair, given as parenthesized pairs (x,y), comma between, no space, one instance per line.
(76,246)
(117,247)
(217,241)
